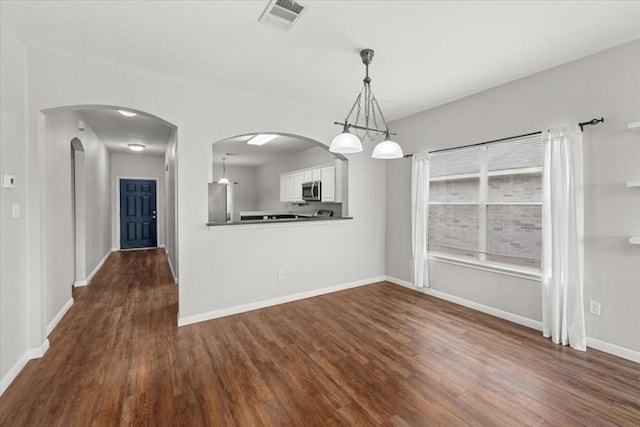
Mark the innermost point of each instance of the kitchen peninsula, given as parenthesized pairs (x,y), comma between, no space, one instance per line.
(270,217)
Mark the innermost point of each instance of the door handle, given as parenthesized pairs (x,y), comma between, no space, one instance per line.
(153,217)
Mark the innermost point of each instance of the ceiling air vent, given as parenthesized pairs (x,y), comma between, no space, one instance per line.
(282,13)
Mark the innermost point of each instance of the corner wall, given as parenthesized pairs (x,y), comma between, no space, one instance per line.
(603,85)
(13,231)
(171,202)
(61,128)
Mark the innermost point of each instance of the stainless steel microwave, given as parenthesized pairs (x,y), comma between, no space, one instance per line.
(311,191)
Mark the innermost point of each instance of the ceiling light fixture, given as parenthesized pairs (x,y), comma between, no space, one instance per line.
(127,113)
(224,179)
(366,119)
(136,147)
(261,139)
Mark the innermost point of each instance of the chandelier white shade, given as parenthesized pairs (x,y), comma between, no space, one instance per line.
(345,143)
(224,179)
(365,114)
(387,149)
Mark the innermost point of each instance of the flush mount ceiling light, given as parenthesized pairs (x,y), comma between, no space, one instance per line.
(261,139)
(136,147)
(367,113)
(127,113)
(224,179)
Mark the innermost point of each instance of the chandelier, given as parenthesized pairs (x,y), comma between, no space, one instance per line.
(366,114)
(224,179)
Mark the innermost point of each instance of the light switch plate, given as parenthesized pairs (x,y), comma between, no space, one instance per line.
(9,181)
(16,210)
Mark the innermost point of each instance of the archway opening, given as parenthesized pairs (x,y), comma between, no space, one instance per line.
(275,176)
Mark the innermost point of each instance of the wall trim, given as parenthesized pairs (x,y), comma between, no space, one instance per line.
(603,346)
(520,320)
(32,353)
(616,350)
(87,281)
(187,320)
(173,273)
(58,317)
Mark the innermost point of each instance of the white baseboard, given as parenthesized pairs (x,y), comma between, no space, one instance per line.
(616,350)
(520,320)
(54,322)
(162,246)
(173,273)
(183,321)
(87,281)
(604,346)
(32,353)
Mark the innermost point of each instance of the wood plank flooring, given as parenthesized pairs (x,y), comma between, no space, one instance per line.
(375,355)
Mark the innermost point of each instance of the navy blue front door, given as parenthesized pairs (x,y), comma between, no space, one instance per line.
(138,223)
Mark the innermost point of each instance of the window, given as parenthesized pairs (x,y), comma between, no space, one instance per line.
(485,203)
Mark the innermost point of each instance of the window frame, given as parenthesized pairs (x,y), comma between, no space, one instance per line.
(482,263)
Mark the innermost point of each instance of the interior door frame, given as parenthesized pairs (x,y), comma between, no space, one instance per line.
(118,178)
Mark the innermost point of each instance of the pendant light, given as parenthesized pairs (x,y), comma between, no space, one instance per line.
(224,179)
(367,113)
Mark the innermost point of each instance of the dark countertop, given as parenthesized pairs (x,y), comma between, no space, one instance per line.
(276,221)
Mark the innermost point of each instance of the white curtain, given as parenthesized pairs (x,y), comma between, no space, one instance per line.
(419,213)
(562,239)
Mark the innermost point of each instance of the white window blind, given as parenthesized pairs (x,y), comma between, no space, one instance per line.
(486,202)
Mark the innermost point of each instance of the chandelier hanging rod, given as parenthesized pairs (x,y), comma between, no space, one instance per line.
(363,128)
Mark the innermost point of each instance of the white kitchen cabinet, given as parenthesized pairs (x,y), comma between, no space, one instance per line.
(283,188)
(316,174)
(328,177)
(298,179)
(307,175)
(287,187)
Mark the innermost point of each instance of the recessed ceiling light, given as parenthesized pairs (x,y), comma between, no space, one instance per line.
(261,139)
(127,113)
(136,147)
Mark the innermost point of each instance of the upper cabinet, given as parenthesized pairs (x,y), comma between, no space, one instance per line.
(287,188)
(329,175)
(328,179)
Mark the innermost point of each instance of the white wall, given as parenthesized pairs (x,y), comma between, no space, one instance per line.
(606,84)
(137,165)
(171,198)
(245,191)
(61,128)
(13,232)
(214,273)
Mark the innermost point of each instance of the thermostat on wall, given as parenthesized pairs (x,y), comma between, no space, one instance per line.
(9,181)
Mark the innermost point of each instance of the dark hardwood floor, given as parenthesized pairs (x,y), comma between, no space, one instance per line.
(375,355)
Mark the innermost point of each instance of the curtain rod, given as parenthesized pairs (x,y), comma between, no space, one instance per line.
(487,142)
(590,122)
(582,124)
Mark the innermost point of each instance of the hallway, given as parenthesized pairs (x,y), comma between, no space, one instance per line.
(374,355)
(107,351)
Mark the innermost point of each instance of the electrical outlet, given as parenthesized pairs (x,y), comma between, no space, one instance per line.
(594,308)
(281,275)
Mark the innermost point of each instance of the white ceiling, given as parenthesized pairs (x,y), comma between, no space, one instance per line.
(117,131)
(238,153)
(427,52)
